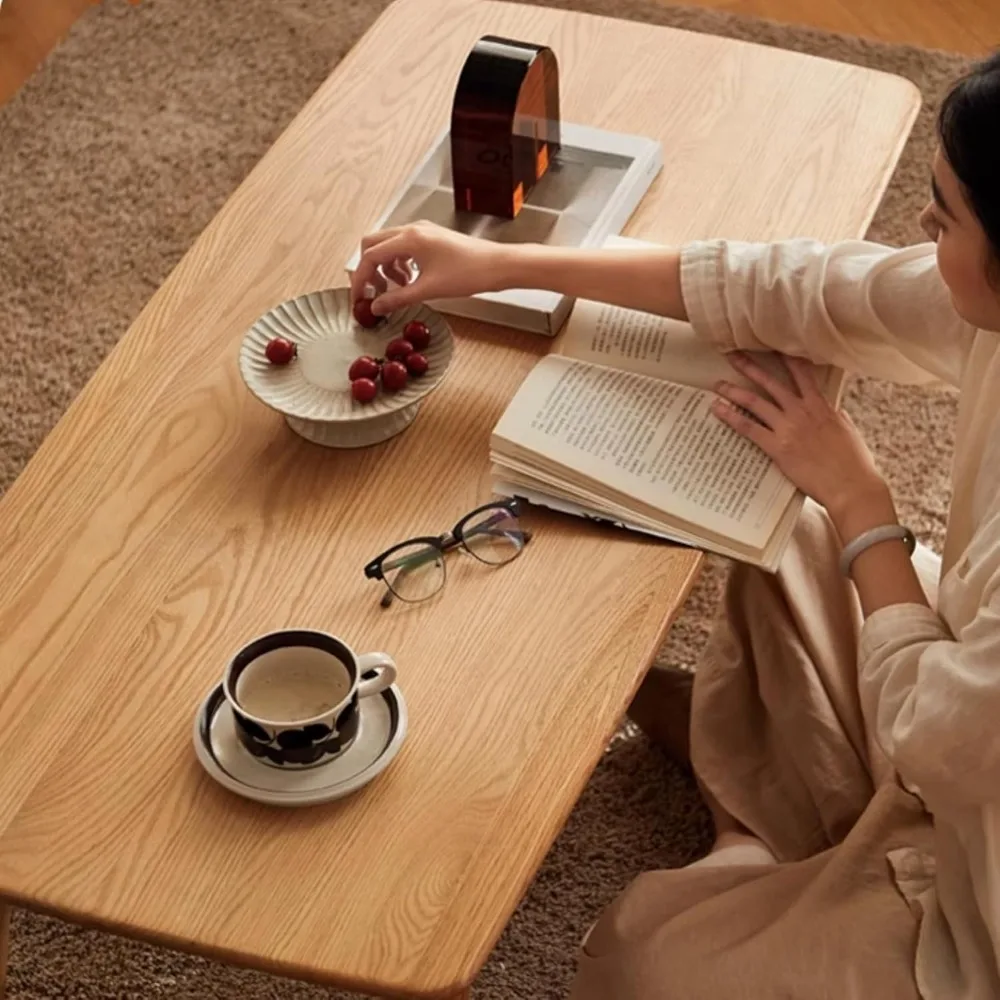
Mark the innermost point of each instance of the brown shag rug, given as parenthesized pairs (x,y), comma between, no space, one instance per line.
(112,160)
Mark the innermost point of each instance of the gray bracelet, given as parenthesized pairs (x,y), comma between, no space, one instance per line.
(884,533)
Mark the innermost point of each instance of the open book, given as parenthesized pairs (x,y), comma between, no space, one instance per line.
(615,424)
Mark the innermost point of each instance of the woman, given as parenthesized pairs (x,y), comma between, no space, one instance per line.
(845,724)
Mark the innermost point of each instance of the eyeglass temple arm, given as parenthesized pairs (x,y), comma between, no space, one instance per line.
(487,527)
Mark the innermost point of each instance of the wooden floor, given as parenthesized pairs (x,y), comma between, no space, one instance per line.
(29,28)
(971,26)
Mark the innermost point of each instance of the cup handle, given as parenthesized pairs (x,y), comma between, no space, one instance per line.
(385,667)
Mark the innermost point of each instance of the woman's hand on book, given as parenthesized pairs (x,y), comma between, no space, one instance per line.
(427,262)
(815,445)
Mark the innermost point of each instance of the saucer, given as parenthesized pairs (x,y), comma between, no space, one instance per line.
(379,739)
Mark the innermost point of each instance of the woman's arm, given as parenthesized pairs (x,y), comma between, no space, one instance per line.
(647,279)
(933,698)
(453,265)
(883,574)
(859,306)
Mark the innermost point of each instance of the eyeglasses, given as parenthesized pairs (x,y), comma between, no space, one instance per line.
(414,570)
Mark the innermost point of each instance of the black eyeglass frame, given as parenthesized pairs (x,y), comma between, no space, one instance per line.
(450,540)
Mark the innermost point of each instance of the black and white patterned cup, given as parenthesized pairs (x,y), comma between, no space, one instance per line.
(295,695)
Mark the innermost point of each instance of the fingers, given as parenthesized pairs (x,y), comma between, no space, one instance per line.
(378,250)
(804,375)
(771,384)
(378,284)
(397,298)
(741,423)
(763,409)
(373,239)
(398,271)
(365,275)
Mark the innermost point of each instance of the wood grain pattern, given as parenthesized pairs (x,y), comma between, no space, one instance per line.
(169,517)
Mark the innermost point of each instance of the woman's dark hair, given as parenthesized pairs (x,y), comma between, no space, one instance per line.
(969,128)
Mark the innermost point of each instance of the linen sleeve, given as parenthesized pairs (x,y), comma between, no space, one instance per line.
(933,699)
(866,308)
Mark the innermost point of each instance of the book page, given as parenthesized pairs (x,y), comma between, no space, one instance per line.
(647,344)
(652,440)
(640,342)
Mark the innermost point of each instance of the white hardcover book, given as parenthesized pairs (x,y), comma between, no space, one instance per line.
(592,187)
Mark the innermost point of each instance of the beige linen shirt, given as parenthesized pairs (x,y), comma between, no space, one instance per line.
(929,680)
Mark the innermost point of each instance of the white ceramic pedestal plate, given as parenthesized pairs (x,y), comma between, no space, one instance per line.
(313,391)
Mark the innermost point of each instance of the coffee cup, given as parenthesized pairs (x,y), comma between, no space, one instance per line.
(295,695)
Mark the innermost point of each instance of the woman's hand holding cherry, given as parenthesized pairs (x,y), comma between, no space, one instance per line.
(427,262)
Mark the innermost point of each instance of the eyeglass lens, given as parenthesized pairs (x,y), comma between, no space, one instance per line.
(493,535)
(414,572)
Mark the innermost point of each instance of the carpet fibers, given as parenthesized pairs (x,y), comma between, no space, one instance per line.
(112,159)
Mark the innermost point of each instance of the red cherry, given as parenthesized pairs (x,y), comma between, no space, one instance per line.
(398,349)
(364,390)
(417,334)
(394,375)
(364,315)
(280,351)
(416,364)
(364,367)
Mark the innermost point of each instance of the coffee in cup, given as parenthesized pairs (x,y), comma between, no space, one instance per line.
(295,695)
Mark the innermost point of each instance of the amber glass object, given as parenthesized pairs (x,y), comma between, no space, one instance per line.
(504,125)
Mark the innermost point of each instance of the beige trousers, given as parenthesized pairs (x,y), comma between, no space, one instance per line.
(778,738)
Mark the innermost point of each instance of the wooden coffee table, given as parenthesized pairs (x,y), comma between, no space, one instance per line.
(169,517)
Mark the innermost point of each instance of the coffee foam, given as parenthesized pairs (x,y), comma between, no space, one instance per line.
(292,684)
